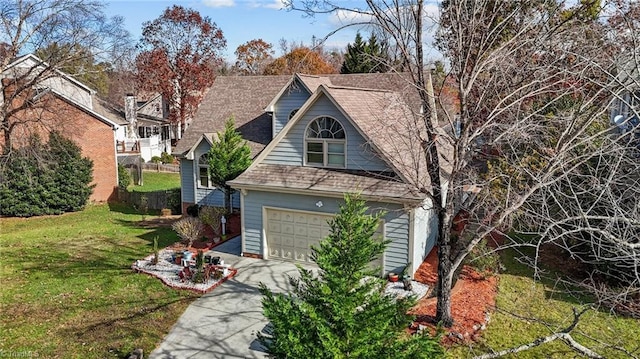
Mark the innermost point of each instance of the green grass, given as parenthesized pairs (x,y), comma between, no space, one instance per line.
(68,290)
(548,308)
(157,181)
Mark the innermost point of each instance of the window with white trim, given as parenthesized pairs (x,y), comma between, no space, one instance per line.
(203,171)
(325,143)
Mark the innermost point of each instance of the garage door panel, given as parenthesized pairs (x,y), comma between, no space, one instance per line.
(325,231)
(314,232)
(318,219)
(274,215)
(301,230)
(288,228)
(274,252)
(301,256)
(274,227)
(287,254)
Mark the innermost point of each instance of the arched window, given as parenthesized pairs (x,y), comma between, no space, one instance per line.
(325,143)
(203,171)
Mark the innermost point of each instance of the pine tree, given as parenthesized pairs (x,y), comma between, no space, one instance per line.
(365,56)
(229,156)
(354,59)
(342,312)
(377,58)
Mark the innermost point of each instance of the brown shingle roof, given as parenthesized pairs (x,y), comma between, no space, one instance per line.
(105,109)
(313,82)
(327,182)
(389,124)
(246,97)
(243,97)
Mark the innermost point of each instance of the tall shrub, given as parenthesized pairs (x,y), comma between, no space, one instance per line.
(72,174)
(228,158)
(124,177)
(41,179)
(342,312)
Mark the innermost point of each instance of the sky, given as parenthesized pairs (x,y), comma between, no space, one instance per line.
(241,21)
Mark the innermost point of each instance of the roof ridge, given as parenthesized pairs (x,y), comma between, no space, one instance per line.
(368,89)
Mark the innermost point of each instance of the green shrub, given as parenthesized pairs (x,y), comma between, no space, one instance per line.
(174,200)
(156,159)
(166,158)
(193,210)
(41,179)
(124,177)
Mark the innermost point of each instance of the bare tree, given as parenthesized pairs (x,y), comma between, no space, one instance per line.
(32,25)
(534,83)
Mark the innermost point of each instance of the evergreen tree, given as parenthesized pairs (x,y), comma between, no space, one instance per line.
(364,57)
(342,312)
(377,58)
(71,173)
(229,156)
(41,179)
(354,58)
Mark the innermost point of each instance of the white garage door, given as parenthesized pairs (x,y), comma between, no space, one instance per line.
(290,234)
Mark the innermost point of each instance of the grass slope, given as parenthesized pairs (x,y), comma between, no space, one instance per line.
(157,181)
(528,309)
(68,290)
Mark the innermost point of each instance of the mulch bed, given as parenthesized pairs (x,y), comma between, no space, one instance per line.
(473,299)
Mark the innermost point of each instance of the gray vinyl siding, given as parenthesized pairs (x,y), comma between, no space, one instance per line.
(186,180)
(293,98)
(210,196)
(396,221)
(290,150)
(425,231)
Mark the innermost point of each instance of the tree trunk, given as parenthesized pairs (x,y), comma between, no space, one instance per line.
(443,309)
(227,199)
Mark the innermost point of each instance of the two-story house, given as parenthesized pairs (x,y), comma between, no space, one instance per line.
(314,139)
(58,101)
(147,133)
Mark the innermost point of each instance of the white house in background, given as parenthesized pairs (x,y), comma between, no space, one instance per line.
(625,108)
(147,132)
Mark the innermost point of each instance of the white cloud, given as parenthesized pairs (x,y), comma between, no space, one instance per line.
(267,4)
(219,3)
(275,4)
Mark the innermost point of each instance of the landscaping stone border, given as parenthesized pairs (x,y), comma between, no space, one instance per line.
(168,273)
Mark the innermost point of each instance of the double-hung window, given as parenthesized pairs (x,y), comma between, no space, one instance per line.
(325,143)
(203,171)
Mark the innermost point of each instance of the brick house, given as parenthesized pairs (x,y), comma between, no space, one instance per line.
(62,103)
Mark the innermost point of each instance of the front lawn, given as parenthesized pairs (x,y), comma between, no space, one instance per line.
(528,309)
(68,290)
(157,181)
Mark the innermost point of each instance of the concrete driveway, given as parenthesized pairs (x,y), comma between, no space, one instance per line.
(223,323)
